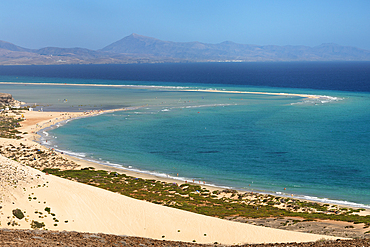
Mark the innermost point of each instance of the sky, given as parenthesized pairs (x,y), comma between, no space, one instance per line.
(94,24)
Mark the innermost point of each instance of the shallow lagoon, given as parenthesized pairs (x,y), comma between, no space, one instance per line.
(254,142)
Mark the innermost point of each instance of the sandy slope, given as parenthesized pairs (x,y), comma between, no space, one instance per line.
(80,207)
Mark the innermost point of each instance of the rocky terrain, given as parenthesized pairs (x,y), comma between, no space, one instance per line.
(54,238)
(7,99)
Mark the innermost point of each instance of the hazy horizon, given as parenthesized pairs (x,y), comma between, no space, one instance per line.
(176,42)
(96,24)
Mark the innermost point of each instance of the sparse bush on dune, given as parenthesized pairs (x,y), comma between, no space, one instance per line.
(37,225)
(18,213)
(194,198)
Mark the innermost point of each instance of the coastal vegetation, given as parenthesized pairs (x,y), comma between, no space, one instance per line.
(10,116)
(227,204)
(35,157)
(37,225)
(8,126)
(18,213)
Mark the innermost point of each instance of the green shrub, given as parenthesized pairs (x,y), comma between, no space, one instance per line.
(36,224)
(18,213)
(193,198)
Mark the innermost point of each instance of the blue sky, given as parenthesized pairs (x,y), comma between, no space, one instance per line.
(94,24)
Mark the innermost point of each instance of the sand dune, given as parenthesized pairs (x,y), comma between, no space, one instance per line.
(84,208)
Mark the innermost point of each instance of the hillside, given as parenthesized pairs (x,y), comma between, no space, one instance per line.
(141,49)
(196,51)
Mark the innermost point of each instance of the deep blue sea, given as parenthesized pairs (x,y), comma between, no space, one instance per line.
(315,148)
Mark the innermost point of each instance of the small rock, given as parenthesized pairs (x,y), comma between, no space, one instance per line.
(37,237)
(91,236)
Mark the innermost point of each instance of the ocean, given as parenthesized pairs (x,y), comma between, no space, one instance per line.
(283,144)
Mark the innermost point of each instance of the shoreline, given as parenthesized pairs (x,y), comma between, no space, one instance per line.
(63,204)
(69,116)
(84,163)
(212,187)
(147,175)
(36,121)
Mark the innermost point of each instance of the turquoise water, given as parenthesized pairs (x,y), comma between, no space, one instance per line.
(316,149)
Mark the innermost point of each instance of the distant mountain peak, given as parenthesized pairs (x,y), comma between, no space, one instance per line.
(11,47)
(138,36)
(329,44)
(228,42)
(230,51)
(137,48)
(134,43)
(135,35)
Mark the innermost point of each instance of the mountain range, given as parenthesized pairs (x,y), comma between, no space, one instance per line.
(141,49)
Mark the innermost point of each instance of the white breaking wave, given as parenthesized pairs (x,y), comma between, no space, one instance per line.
(210,105)
(70,153)
(322,200)
(321,99)
(331,201)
